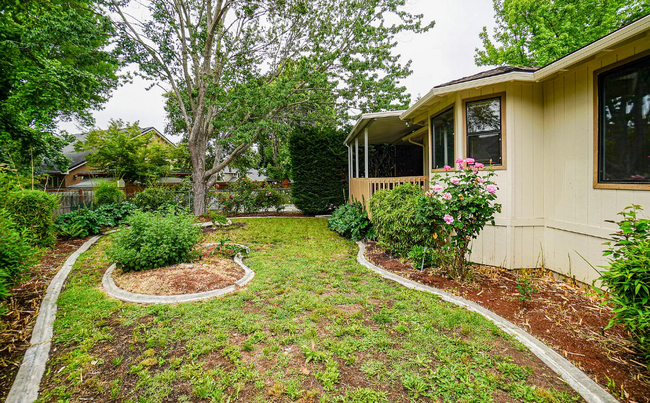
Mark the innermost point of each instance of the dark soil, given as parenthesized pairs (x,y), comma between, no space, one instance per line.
(22,308)
(567,317)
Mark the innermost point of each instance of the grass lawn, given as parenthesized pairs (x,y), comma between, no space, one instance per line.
(312,326)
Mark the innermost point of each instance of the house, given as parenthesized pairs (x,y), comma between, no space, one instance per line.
(82,176)
(570,143)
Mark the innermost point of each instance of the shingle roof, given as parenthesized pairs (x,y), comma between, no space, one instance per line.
(490,73)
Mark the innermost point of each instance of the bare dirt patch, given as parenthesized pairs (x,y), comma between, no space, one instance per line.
(565,316)
(22,308)
(209,272)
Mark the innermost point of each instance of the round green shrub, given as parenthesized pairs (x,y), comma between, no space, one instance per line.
(108,192)
(17,255)
(33,210)
(154,239)
(153,199)
(319,164)
(394,215)
(351,221)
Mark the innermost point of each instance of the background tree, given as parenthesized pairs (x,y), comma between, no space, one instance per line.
(127,153)
(239,69)
(53,66)
(538,32)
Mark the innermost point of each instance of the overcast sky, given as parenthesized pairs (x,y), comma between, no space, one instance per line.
(444,53)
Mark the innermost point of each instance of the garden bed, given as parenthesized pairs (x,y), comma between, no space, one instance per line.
(209,272)
(566,317)
(22,308)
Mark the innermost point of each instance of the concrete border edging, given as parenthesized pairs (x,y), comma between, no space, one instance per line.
(578,380)
(26,385)
(114,291)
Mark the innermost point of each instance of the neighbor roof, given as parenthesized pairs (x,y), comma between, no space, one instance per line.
(523,74)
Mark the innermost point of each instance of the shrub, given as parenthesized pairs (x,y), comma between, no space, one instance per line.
(462,203)
(154,199)
(319,163)
(17,255)
(627,277)
(33,210)
(267,199)
(113,214)
(78,224)
(216,217)
(394,217)
(108,192)
(154,239)
(351,221)
(241,196)
(422,256)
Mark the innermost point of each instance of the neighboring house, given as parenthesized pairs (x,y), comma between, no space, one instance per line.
(570,143)
(82,176)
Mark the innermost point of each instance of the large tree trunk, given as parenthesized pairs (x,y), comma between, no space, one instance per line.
(199,183)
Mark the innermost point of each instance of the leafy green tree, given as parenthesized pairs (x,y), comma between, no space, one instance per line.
(538,32)
(53,66)
(127,153)
(239,69)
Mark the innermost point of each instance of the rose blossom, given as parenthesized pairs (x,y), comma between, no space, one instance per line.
(436,188)
(480,180)
(470,161)
(448,219)
(455,181)
(459,160)
(491,188)
(447,168)
(446,196)
(479,165)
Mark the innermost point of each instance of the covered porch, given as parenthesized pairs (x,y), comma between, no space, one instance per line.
(384,152)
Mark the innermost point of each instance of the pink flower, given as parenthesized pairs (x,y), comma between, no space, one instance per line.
(448,219)
(479,165)
(470,161)
(455,181)
(446,196)
(447,168)
(480,180)
(436,188)
(459,160)
(491,188)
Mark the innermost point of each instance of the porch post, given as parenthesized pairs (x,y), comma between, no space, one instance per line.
(349,161)
(365,150)
(356,155)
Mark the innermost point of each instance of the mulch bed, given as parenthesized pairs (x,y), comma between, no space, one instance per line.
(209,272)
(567,317)
(22,308)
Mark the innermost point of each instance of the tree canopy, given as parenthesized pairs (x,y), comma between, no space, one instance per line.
(538,32)
(53,66)
(127,153)
(240,69)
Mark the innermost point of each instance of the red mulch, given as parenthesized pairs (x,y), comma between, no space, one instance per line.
(22,308)
(567,317)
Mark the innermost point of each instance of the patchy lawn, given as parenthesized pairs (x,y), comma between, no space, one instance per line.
(313,325)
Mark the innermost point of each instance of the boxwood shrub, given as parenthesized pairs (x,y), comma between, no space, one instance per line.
(154,239)
(33,211)
(394,215)
(108,192)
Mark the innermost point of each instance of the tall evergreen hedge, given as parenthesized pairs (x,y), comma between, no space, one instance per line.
(319,165)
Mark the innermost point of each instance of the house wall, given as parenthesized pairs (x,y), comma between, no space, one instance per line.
(552,214)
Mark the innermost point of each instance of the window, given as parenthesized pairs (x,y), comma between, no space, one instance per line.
(624,124)
(484,130)
(442,134)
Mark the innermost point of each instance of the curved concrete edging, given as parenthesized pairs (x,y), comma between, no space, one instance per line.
(114,291)
(28,379)
(578,380)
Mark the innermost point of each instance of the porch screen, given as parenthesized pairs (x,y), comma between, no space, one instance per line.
(624,124)
(443,139)
(484,130)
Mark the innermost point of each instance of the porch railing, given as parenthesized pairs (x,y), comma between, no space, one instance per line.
(362,189)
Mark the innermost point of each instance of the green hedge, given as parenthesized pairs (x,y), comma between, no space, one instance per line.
(33,210)
(108,192)
(395,219)
(16,254)
(319,164)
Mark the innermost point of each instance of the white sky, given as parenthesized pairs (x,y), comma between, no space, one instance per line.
(444,53)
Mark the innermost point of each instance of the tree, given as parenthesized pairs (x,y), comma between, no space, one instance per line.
(538,32)
(53,66)
(127,153)
(238,69)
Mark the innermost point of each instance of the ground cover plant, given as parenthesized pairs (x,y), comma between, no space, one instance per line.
(351,221)
(313,325)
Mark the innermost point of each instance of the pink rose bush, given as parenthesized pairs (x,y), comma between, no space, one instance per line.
(460,204)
